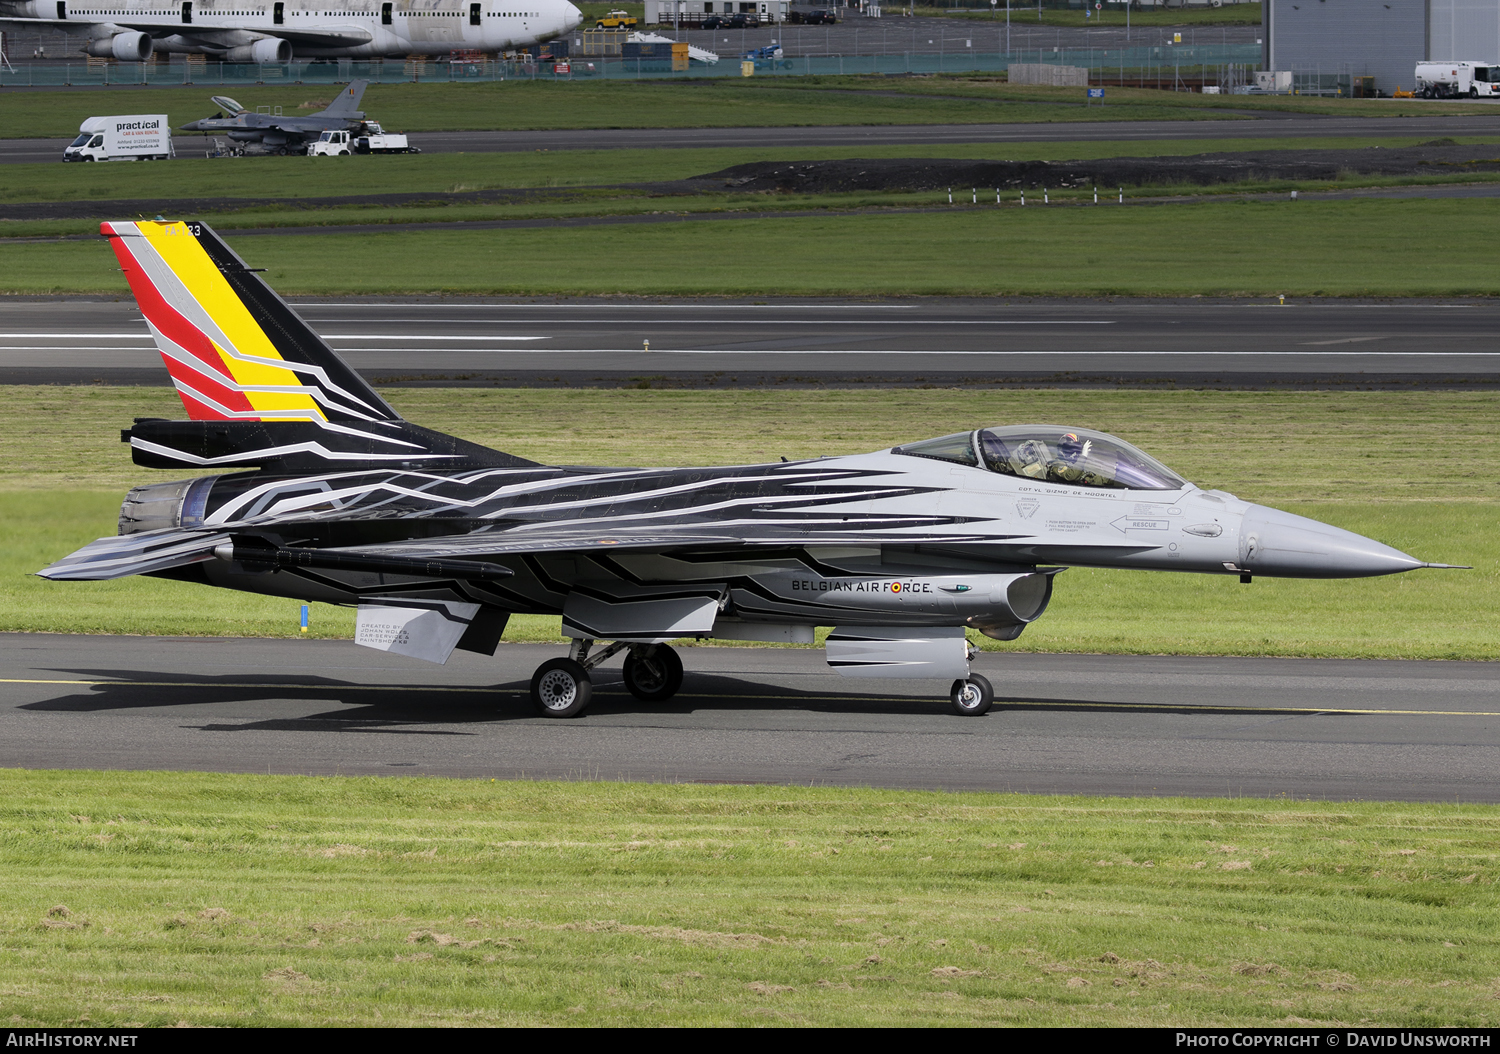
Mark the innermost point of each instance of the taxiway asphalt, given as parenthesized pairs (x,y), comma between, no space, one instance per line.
(600,342)
(785,141)
(1071,724)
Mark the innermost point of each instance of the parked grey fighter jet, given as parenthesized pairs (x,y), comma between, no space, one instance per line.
(329,495)
(265,133)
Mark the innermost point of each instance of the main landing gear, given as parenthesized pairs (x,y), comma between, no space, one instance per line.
(563,687)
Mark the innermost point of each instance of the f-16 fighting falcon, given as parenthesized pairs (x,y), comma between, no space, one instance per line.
(265,133)
(327,494)
(256,31)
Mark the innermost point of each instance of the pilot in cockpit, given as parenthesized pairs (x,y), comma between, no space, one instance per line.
(1072,457)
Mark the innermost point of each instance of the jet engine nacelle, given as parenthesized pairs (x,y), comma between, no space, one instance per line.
(267,49)
(127,47)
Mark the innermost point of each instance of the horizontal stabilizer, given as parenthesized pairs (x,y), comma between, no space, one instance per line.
(134,554)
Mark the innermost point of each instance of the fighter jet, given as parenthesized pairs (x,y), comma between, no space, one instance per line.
(265,133)
(324,493)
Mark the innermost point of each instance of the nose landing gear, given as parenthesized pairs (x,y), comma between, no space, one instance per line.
(972,696)
(563,687)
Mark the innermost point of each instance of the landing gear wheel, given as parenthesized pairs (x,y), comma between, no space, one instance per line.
(561,688)
(653,674)
(972,696)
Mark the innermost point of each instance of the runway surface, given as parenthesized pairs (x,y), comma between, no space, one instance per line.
(452,342)
(1082,724)
(786,141)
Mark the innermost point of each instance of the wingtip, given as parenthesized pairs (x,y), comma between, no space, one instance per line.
(1451,567)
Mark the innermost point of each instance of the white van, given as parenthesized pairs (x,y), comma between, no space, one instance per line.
(137,137)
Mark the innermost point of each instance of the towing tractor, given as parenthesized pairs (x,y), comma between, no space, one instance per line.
(1451,80)
(370,139)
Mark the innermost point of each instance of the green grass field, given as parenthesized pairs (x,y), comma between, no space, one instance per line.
(718,102)
(1397,476)
(1412,247)
(292,178)
(140,899)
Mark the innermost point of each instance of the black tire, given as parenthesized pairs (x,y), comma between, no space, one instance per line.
(1473,93)
(973,696)
(653,677)
(561,688)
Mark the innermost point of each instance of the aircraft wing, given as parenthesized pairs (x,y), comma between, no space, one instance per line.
(63,23)
(338,37)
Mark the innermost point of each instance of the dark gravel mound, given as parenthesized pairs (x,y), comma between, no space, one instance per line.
(907,174)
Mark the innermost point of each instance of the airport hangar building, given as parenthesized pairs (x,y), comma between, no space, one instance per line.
(1384,39)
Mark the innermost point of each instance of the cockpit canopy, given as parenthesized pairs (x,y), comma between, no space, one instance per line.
(1052,454)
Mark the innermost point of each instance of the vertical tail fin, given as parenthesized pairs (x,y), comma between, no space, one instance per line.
(236,350)
(347,104)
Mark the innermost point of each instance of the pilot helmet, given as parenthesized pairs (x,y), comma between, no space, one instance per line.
(1070,447)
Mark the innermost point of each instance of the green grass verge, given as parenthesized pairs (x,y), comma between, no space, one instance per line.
(292,178)
(1412,247)
(720,102)
(1388,468)
(151,899)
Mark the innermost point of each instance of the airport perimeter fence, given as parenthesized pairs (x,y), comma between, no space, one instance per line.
(1181,66)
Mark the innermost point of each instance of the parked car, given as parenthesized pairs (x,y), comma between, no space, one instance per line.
(813,18)
(618,20)
(740,21)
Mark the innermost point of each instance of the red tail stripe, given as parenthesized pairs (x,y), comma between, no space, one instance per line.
(185,335)
(210,387)
(196,411)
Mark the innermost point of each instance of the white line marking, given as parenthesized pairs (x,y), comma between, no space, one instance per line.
(378,336)
(645,356)
(620,307)
(728,322)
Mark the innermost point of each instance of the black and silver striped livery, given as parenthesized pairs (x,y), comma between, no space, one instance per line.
(899,551)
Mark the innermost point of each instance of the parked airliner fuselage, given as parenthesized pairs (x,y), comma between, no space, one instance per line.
(344,29)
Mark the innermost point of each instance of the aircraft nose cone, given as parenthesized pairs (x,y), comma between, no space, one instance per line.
(573,18)
(1282,544)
